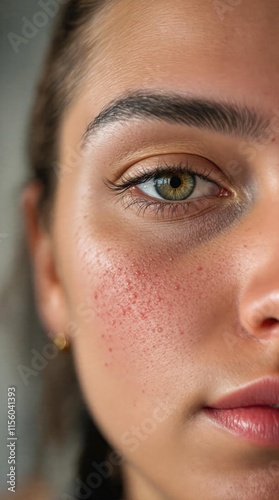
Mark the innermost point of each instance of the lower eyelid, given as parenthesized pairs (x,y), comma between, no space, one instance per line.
(171,211)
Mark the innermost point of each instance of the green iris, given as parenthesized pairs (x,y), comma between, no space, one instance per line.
(175,187)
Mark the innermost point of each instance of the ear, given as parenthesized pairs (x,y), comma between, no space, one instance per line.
(50,296)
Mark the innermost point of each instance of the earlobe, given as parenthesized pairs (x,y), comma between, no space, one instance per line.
(50,295)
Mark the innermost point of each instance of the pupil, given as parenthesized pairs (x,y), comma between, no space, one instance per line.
(175,182)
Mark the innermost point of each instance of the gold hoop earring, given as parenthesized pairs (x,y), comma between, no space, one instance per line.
(62,343)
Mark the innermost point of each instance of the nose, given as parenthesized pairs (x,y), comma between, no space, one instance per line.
(259,300)
(260,310)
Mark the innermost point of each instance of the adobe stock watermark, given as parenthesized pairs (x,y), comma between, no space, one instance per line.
(31,27)
(72,157)
(273,468)
(131,439)
(231,340)
(267,311)
(100,472)
(223,7)
(251,150)
(40,360)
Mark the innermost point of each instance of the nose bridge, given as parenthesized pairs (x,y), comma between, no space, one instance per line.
(261,234)
(259,301)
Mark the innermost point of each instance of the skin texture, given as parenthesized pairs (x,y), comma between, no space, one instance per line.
(167,314)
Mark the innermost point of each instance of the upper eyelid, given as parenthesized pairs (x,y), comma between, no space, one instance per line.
(164,168)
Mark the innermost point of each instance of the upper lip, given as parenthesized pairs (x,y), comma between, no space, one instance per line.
(264,392)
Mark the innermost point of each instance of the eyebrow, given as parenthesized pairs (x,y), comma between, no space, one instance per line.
(223,117)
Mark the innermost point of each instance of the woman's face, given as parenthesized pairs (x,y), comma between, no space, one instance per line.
(169,285)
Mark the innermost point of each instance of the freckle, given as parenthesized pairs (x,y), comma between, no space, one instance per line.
(143,391)
(106,364)
(110,349)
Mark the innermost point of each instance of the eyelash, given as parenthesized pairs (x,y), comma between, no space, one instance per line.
(162,206)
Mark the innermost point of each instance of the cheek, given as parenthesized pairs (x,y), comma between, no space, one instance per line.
(152,319)
(145,311)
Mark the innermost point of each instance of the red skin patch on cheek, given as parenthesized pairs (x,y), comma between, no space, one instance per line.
(141,312)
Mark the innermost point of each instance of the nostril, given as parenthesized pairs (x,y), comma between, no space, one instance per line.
(265,314)
(269,322)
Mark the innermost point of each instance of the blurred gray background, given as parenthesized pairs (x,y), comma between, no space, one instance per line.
(25,27)
(19,71)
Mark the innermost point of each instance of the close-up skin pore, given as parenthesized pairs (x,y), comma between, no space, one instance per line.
(159,261)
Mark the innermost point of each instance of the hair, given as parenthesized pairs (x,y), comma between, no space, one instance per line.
(73,42)
(63,72)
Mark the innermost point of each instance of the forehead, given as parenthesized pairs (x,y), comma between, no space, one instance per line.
(190,43)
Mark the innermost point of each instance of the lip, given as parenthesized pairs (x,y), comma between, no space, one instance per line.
(262,392)
(246,413)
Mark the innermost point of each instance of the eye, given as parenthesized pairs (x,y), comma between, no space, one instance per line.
(179,186)
(171,190)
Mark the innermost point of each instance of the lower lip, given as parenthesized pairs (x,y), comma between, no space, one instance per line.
(256,424)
